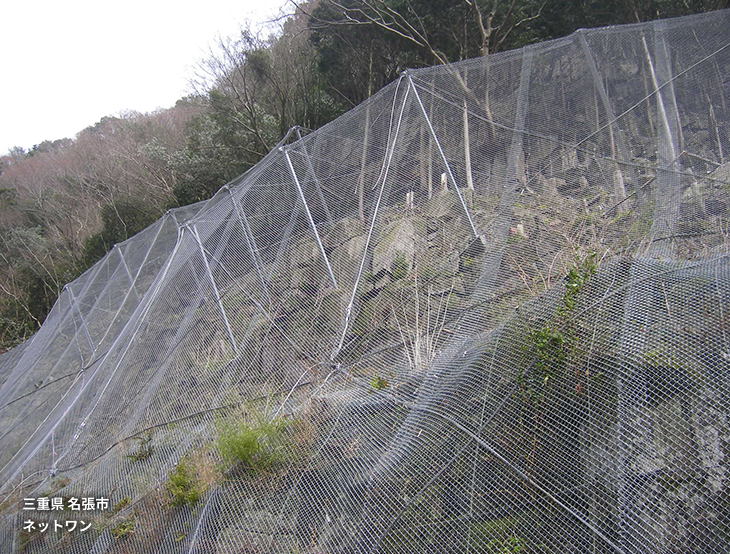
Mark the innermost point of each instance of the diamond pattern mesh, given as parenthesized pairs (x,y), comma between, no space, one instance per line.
(484,311)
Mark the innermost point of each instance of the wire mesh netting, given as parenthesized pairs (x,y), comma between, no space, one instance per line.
(484,311)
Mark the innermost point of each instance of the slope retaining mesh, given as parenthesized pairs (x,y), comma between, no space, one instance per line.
(484,311)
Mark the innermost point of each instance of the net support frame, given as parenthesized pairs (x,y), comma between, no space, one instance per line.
(285,150)
(610,114)
(126,269)
(84,365)
(610,440)
(412,85)
(214,286)
(310,168)
(505,214)
(373,220)
(66,315)
(72,300)
(134,281)
(250,245)
(96,301)
(133,325)
(666,211)
(129,331)
(182,330)
(290,225)
(62,358)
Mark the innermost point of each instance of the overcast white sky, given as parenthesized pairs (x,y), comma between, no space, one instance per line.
(65,65)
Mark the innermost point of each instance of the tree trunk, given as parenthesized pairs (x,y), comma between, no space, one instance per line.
(423,170)
(467,150)
(363,159)
(429,159)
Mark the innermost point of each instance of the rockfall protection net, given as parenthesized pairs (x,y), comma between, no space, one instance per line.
(484,311)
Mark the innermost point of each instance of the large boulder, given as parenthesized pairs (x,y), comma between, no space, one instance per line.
(395,251)
(342,231)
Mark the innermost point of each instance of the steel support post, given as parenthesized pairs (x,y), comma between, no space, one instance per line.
(505,215)
(443,156)
(134,280)
(320,246)
(376,208)
(70,310)
(295,212)
(668,189)
(215,288)
(630,383)
(126,268)
(66,403)
(250,245)
(61,359)
(181,332)
(310,168)
(134,324)
(10,385)
(81,316)
(618,133)
(91,312)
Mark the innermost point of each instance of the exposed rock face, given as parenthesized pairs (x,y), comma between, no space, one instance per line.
(441,205)
(397,246)
(670,477)
(342,231)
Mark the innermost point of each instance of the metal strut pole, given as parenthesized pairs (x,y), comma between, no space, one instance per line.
(126,268)
(134,324)
(181,331)
(292,219)
(317,184)
(390,149)
(134,281)
(24,361)
(83,323)
(215,289)
(505,213)
(285,151)
(598,82)
(668,190)
(443,156)
(250,244)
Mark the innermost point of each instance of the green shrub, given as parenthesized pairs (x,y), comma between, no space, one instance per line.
(555,342)
(378,382)
(124,527)
(502,536)
(182,485)
(252,446)
(119,506)
(578,275)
